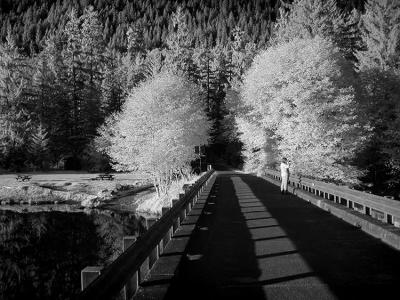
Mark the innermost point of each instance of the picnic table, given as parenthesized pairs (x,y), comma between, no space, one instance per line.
(105,176)
(23,177)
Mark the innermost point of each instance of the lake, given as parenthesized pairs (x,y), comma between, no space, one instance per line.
(42,254)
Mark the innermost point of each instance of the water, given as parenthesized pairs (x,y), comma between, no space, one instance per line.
(42,254)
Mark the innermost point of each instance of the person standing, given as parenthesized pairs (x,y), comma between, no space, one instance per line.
(284,175)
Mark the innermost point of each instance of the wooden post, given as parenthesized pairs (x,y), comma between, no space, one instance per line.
(160,248)
(132,284)
(167,237)
(89,274)
(144,270)
(388,218)
(154,253)
(128,241)
(176,221)
(183,212)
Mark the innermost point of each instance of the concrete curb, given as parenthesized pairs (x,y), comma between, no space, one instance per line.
(388,234)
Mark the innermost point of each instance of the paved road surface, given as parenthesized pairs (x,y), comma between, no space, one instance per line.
(247,241)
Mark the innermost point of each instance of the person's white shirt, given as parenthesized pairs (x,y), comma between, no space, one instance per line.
(284,169)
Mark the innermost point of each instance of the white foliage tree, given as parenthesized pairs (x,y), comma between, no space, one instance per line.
(253,138)
(302,92)
(161,123)
(311,18)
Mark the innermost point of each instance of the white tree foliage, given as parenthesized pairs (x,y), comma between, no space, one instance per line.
(302,92)
(253,138)
(162,121)
(311,18)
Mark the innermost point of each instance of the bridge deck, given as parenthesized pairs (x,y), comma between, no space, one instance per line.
(246,240)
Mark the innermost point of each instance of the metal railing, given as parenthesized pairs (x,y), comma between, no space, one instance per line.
(129,269)
(381,208)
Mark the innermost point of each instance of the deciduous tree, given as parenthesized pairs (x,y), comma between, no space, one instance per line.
(302,92)
(162,121)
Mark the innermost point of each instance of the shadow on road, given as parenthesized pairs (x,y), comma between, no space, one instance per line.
(220,253)
(333,253)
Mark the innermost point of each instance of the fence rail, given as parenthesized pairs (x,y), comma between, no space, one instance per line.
(381,208)
(130,268)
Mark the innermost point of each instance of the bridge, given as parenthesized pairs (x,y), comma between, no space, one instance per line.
(234,236)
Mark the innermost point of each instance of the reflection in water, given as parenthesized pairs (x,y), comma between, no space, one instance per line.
(42,254)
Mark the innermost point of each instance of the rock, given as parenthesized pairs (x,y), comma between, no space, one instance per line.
(104,195)
(90,202)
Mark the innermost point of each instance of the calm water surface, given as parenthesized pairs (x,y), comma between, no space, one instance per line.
(42,254)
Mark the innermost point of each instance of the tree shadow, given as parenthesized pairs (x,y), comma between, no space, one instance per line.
(219,260)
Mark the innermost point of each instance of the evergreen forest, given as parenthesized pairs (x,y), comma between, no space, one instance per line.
(69,68)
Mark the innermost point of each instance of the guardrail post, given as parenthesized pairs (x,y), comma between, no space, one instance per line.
(89,274)
(350,204)
(167,237)
(160,247)
(128,241)
(388,219)
(132,284)
(189,205)
(144,270)
(367,210)
(183,212)
(155,252)
(177,220)
(145,267)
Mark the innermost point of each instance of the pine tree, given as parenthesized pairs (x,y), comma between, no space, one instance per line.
(72,61)
(51,82)
(202,57)
(135,40)
(39,147)
(92,65)
(14,118)
(113,92)
(12,74)
(179,56)
(380,29)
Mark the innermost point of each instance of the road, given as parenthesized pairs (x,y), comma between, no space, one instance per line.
(247,241)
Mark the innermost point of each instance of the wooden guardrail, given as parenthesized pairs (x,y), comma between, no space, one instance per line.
(129,269)
(381,208)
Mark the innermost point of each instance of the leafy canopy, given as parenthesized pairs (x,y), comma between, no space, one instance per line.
(302,93)
(161,123)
